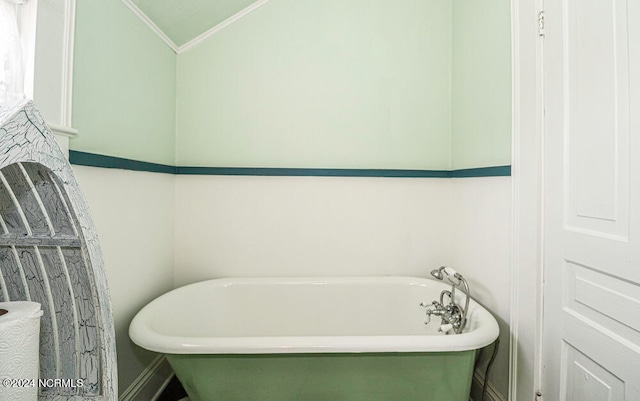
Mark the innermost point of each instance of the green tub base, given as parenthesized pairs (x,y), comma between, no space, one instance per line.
(437,376)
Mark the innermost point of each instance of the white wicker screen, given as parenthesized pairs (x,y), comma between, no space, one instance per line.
(49,253)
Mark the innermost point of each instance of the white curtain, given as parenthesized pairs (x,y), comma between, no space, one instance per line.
(11,61)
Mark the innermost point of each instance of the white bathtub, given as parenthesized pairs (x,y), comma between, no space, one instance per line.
(275,339)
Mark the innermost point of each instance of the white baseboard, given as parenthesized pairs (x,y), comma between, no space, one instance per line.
(492,393)
(151,382)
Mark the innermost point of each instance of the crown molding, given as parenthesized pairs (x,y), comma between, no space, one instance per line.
(143,17)
(202,37)
(198,39)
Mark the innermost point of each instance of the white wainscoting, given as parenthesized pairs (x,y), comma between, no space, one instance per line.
(481,244)
(133,213)
(288,226)
(309,226)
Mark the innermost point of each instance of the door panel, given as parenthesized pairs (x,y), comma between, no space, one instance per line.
(591,322)
(596,130)
(586,379)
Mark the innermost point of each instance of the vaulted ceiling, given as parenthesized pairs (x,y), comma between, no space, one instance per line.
(184,20)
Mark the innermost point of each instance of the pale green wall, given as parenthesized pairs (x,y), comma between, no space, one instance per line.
(123,85)
(334,83)
(302,83)
(481,84)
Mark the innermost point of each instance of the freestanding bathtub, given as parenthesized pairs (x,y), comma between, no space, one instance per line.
(308,339)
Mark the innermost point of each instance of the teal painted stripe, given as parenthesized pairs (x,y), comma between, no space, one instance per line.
(497,171)
(311,172)
(95,160)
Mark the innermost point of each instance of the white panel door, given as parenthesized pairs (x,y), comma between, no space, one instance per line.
(591,321)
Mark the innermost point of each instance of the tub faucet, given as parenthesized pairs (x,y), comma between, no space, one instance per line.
(452,315)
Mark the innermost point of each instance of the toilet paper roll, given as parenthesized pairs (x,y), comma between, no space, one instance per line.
(19,345)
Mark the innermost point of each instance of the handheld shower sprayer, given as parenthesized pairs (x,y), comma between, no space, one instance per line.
(437,273)
(452,313)
(449,273)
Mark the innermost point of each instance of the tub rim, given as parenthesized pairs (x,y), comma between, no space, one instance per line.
(142,334)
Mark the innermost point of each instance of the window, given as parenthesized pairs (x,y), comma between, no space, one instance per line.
(17,34)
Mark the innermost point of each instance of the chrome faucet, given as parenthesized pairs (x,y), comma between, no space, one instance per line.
(452,315)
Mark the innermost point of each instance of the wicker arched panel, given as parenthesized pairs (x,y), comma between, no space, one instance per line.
(49,253)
